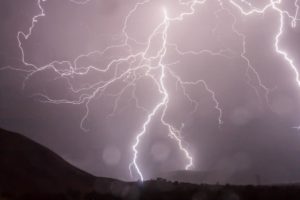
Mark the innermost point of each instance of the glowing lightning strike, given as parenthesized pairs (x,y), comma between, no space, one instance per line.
(146,64)
(162,90)
(173,132)
(279,34)
(27,35)
(274,5)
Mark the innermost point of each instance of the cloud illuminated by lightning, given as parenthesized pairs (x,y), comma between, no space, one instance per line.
(140,65)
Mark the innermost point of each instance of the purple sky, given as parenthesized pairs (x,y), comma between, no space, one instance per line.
(257,134)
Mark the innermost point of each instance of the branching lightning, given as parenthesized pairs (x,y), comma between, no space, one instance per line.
(140,65)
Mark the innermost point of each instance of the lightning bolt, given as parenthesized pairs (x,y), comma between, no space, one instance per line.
(274,5)
(142,63)
(163,104)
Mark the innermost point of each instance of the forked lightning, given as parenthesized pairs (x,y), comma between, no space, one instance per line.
(140,65)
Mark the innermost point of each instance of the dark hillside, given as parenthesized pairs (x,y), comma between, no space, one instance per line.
(26,166)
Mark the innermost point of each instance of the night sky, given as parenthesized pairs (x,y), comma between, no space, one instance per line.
(48,101)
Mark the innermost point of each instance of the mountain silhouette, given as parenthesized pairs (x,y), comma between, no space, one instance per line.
(30,171)
(27,166)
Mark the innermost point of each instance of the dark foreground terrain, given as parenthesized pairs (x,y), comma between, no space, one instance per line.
(31,171)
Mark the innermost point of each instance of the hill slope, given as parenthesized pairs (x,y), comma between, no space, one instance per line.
(26,166)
